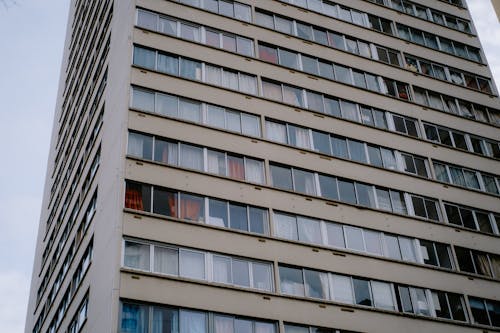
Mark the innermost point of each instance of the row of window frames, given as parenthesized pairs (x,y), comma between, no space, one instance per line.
(195,70)
(472,218)
(448,74)
(196,157)
(199,265)
(234,9)
(333,71)
(193,207)
(314,231)
(466,178)
(346,148)
(427,13)
(327,37)
(348,191)
(141,318)
(462,140)
(372,293)
(183,108)
(248,124)
(247,218)
(362,19)
(438,43)
(477,262)
(195,32)
(455,105)
(349,15)
(294,281)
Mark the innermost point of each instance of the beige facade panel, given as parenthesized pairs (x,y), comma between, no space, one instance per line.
(286,309)
(298,204)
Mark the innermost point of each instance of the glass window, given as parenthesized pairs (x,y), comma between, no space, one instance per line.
(192,207)
(310,65)
(165,202)
(262,276)
(166,105)
(140,145)
(138,196)
(365,195)
(335,235)
(342,74)
(283,25)
(268,53)
(382,295)
(192,264)
(136,256)
(147,20)
(293,96)
(166,260)
(332,107)
(144,58)
(304,31)
(384,199)
(217,213)
(375,156)
(291,281)
(478,309)
(241,273)
(349,111)
(316,284)
(276,132)
(165,320)
(259,221)
(328,187)
(190,32)
(143,100)
(238,217)
(362,292)
(304,182)
(392,247)
(134,318)
(342,289)
(286,226)
(346,191)
(191,157)
(281,177)
(309,230)
(321,142)
(373,242)
(190,69)
(168,26)
(299,137)
(193,321)
(354,238)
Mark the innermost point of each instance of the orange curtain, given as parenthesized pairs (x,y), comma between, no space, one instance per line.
(172,205)
(133,199)
(236,169)
(190,209)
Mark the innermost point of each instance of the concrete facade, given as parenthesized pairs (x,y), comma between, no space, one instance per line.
(212,171)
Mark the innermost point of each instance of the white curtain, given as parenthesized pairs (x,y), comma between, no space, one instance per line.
(216,116)
(302,138)
(276,132)
(213,75)
(230,80)
(254,171)
(384,200)
(189,110)
(250,125)
(135,145)
(309,230)
(286,226)
(407,249)
(382,295)
(192,264)
(264,327)
(191,157)
(216,162)
(272,90)
(224,324)
(342,289)
(166,105)
(233,121)
(136,256)
(166,260)
(193,322)
(248,84)
(222,270)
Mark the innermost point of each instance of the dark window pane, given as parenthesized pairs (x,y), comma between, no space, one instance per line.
(328,187)
(339,147)
(321,142)
(217,213)
(457,307)
(453,214)
(443,255)
(478,311)
(258,220)
(428,253)
(281,177)
(238,217)
(467,218)
(405,299)
(362,292)
(291,281)
(316,284)
(165,202)
(346,191)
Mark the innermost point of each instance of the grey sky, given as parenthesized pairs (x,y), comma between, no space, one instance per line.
(32,36)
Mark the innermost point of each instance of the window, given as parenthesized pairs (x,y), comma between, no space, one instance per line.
(136,256)
(291,281)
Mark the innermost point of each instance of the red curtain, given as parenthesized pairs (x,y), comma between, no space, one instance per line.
(236,168)
(133,199)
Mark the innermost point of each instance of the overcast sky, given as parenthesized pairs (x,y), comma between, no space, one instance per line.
(32,36)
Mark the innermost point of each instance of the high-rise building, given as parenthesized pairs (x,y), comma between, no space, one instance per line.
(268,166)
